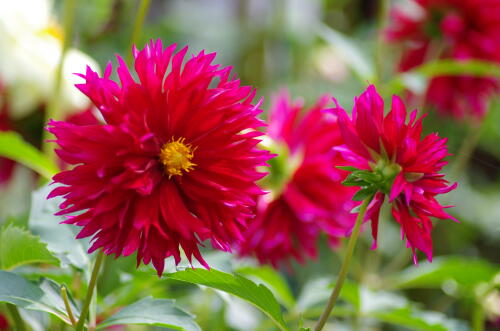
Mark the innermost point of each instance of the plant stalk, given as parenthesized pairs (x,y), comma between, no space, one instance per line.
(138,23)
(345,266)
(90,291)
(64,294)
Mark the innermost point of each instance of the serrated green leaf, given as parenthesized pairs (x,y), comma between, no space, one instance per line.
(364,194)
(19,247)
(348,168)
(12,146)
(60,238)
(42,296)
(466,273)
(149,311)
(258,295)
(274,281)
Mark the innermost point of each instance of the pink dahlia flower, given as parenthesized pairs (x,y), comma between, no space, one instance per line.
(390,151)
(451,29)
(174,164)
(307,196)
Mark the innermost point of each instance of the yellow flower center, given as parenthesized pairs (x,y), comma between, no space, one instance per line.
(176,157)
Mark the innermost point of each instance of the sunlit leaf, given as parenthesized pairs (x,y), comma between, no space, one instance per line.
(149,311)
(42,296)
(60,238)
(258,295)
(19,247)
(12,146)
(274,281)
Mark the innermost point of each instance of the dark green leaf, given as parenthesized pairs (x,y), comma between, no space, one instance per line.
(149,311)
(364,194)
(19,247)
(12,146)
(258,295)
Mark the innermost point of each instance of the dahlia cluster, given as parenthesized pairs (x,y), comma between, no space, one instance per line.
(450,29)
(306,195)
(389,157)
(177,161)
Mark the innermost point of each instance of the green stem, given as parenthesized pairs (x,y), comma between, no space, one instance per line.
(478,317)
(14,313)
(64,294)
(344,267)
(90,291)
(464,154)
(381,22)
(136,32)
(53,110)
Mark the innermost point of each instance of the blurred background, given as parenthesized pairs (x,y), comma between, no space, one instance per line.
(310,47)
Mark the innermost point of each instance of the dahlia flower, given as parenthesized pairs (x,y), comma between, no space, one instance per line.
(306,195)
(450,29)
(174,164)
(388,157)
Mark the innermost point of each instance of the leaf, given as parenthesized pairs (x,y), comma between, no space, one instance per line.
(466,273)
(43,296)
(60,238)
(19,247)
(348,168)
(274,281)
(350,52)
(364,194)
(12,146)
(258,295)
(419,320)
(149,311)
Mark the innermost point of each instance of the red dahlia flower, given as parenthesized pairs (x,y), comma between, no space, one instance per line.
(451,29)
(394,160)
(306,191)
(173,165)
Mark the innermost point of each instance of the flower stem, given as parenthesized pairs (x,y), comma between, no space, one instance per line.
(344,267)
(136,32)
(14,313)
(90,291)
(464,154)
(53,110)
(64,294)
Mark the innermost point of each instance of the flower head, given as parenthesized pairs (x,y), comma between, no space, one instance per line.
(174,164)
(306,196)
(394,160)
(450,29)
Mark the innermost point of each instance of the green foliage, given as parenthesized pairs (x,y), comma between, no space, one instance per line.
(149,311)
(42,296)
(258,295)
(19,247)
(12,146)
(274,280)
(464,273)
(60,238)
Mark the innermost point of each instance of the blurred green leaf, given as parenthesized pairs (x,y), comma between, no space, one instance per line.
(149,311)
(60,238)
(419,320)
(273,280)
(415,80)
(350,52)
(467,273)
(12,146)
(19,247)
(43,296)
(258,295)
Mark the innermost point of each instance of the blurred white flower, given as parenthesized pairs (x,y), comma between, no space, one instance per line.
(30,48)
